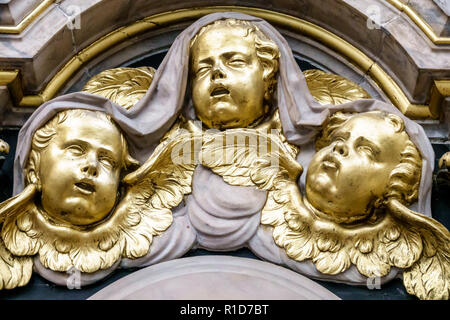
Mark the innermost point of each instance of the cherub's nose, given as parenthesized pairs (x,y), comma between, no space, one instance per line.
(90,166)
(217,73)
(340,148)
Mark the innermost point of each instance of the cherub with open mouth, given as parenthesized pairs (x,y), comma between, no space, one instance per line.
(79,208)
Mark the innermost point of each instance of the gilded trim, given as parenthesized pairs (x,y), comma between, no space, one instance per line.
(398,4)
(420,22)
(335,43)
(29,18)
(439,91)
(11,79)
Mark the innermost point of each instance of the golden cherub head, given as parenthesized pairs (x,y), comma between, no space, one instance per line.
(233,72)
(77,160)
(79,210)
(363,160)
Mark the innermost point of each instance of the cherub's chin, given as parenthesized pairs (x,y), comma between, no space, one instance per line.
(321,181)
(78,210)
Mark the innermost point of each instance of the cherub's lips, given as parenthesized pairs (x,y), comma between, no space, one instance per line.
(85,186)
(331,162)
(219,92)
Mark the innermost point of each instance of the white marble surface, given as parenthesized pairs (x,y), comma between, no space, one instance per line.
(214,278)
(224,216)
(12,12)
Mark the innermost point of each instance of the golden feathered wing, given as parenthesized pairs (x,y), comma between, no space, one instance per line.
(328,88)
(429,276)
(15,271)
(154,189)
(124,86)
(144,212)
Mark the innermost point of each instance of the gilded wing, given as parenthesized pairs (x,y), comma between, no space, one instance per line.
(248,157)
(124,86)
(153,190)
(429,276)
(18,203)
(15,271)
(328,88)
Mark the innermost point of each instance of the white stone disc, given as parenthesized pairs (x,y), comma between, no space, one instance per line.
(214,278)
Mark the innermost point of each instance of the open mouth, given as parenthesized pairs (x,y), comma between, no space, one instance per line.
(85,187)
(220,91)
(330,162)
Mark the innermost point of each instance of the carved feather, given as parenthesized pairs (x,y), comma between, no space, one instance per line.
(248,157)
(429,276)
(124,86)
(328,88)
(154,189)
(14,271)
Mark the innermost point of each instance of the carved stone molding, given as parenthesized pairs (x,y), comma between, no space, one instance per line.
(38,54)
(215,277)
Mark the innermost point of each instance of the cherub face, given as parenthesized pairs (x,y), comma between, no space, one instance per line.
(80,170)
(345,178)
(227,79)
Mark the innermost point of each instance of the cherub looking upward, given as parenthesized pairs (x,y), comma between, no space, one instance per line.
(365,172)
(362,160)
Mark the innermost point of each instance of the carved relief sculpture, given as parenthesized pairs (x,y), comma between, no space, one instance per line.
(354,211)
(227,112)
